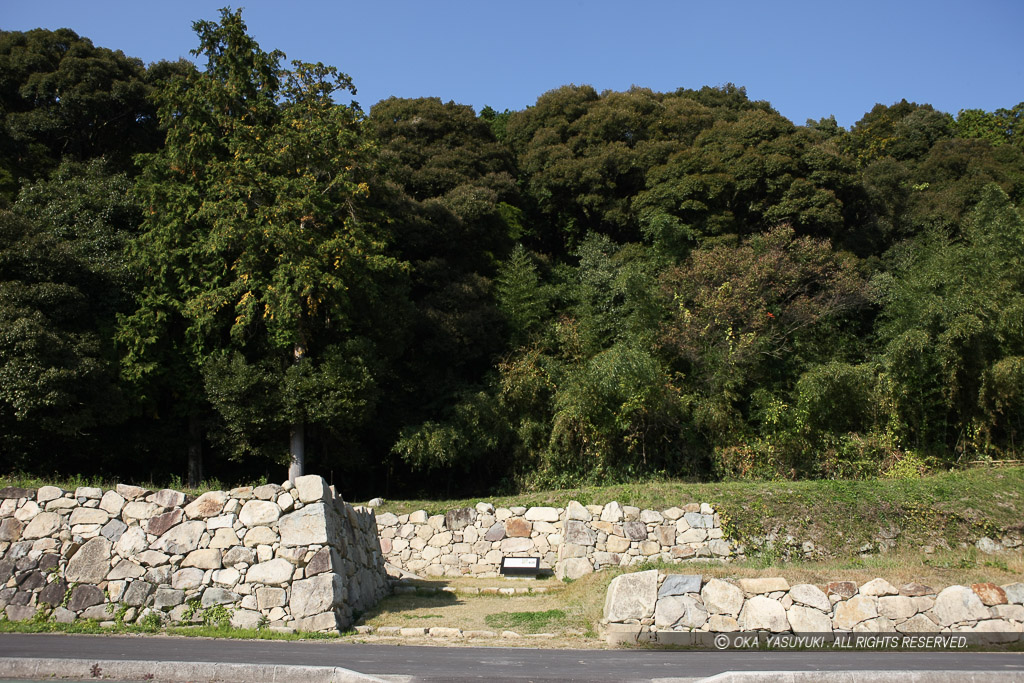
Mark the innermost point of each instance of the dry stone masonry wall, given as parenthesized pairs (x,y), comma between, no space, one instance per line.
(287,557)
(649,606)
(572,541)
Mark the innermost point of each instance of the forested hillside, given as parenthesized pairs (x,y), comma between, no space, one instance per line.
(205,270)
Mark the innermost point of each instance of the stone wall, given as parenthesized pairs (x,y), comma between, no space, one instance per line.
(287,557)
(683,609)
(572,541)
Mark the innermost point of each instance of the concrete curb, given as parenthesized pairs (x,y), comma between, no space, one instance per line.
(856,677)
(173,672)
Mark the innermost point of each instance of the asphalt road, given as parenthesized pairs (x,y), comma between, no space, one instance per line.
(493,663)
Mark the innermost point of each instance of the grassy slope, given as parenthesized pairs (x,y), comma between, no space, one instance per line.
(838,516)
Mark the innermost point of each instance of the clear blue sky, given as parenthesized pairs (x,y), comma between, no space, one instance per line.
(810,59)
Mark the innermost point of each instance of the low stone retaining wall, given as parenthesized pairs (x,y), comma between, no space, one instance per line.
(572,541)
(287,557)
(650,606)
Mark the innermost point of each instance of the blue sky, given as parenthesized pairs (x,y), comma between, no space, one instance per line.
(809,59)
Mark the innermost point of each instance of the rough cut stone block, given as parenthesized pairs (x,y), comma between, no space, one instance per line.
(129,492)
(542,514)
(181,539)
(167,597)
(269,598)
(152,558)
(206,558)
(765,585)
(879,624)
(635,531)
(612,512)
(680,584)
(168,498)
(325,621)
(91,563)
(47,493)
(896,607)
(849,613)
(238,554)
(760,613)
(989,593)
(808,620)
(517,527)
(125,569)
(87,492)
(187,579)
(259,513)
(632,596)
(1014,593)
(721,597)
(266,492)
(275,572)
(42,525)
(914,590)
(387,519)
(312,489)
(138,510)
(878,587)
(112,503)
(113,530)
(218,596)
(158,525)
(260,535)
(316,595)
(812,596)
(844,589)
(495,533)
(210,504)
(138,592)
(577,512)
(959,603)
(460,518)
(11,529)
(617,544)
(307,526)
(132,542)
(679,611)
(578,533)
(85,596)
(573,568)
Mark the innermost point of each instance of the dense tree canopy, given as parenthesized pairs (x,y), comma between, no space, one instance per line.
(223,266)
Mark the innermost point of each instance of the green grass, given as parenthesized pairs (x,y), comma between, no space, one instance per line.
(89,626)
(73,481)
(528,622)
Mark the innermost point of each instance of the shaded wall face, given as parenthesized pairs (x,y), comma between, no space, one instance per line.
(285,557)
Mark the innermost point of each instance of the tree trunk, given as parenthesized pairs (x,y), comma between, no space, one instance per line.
(195,451)
(297,445)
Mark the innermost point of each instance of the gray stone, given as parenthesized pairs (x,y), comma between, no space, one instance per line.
(578,533)
(918,623)
(139,510)
(312,489)
(763,613)
(238,554)
(245,618)
(41,526)
(165,598)
(112,502)
(47,493)
(808,620)
(113,530)
(324,560)
(1014,593)
(31,581)
(151,558)
(53,594)
(266,492)
(495,533)
(517,545)
(326,621)
(959,603)
(721,597)
(635,531)
(168,498)
(138,592)
(85,596)
(129,492)
(680,584)
(20,612)
(275,572)
(125,569)
(217,596)
(763,585)
(306,526)
(181,539)
(812,596)
(632,596)
(680,611)
(387,519)
(988,546)
(695,520)
(91,563)
(62,615)
(318,594)
(159,575)
(460,518)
